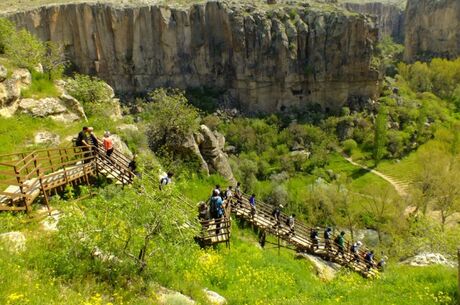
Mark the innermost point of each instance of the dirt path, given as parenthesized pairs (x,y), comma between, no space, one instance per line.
(400,188)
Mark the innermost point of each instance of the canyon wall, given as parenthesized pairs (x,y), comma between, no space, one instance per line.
(266,59)
(389,18)
(432,29)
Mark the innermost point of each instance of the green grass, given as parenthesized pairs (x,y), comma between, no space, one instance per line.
(41,87)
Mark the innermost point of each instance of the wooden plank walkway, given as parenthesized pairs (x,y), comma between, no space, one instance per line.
(26,176)
(301,240)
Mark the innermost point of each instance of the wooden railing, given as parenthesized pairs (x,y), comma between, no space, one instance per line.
(215,231)
(23,176)
(329,250)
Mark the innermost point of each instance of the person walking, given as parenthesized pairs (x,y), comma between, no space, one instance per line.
(327,238)
(108,144)
(314,236)
(276,213)
(290,222)
(167,179)
(340,242)
(355,250)
(252,203)
(83,141)
(369,259)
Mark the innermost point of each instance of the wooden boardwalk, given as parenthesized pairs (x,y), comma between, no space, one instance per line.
(300,240)
(26,176)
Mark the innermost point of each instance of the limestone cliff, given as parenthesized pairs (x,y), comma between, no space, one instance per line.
(388,17)
(268,58)
(432,29)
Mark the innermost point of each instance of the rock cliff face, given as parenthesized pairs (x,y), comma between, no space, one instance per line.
(389,18)
(268,59)
(432,29)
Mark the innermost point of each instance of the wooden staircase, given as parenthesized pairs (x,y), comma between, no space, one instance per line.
(263,220)
(26,176)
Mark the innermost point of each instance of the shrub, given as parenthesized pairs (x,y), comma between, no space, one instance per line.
(88,89)
(349,146)
(172,120)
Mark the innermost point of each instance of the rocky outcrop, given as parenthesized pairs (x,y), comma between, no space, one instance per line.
(427,259)
(64,108)
(51,107)
(325,270)
(211,146)
(432,29)
(207,148)
(10,89)
(388,18)
(269,58)
(46,138)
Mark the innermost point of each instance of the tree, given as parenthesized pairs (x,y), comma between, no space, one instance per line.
(380,135)
(170,120)
(25,50)
(381,208)
(446,195)
(6,32)
(54,61)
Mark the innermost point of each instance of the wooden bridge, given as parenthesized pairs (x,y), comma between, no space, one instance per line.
(300,240)
(26,176)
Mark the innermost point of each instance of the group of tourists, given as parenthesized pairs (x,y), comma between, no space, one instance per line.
(215,207)
(89,143)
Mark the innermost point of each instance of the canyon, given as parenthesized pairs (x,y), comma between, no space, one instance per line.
(266,59)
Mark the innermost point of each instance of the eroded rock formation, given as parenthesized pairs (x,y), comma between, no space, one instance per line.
(389,18)
(432,29)
(269,59)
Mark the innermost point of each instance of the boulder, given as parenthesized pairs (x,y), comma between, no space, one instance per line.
(50,223)
(73,105)
(427,259)
(166,296)
(10,90)
(190,148)
(210,149)
(326,271)
(214,298)
(15,242)
(51,107)
(121,146)
(46,138)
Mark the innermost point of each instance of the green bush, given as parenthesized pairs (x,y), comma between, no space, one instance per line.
(349,146)
(88,89)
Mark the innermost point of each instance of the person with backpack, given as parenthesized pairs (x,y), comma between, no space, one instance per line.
(167,179)
(314,236)
(354,249)
(216,207)
(369,259)
(290,222)
(340,242)
(252,203)
(327,238)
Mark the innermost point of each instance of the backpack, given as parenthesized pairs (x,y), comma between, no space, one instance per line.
(337,239)
(164,181)
(213,207)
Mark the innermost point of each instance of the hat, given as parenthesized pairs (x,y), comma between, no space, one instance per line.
(359,243)
(107,134)
(281,206)
(90,128)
